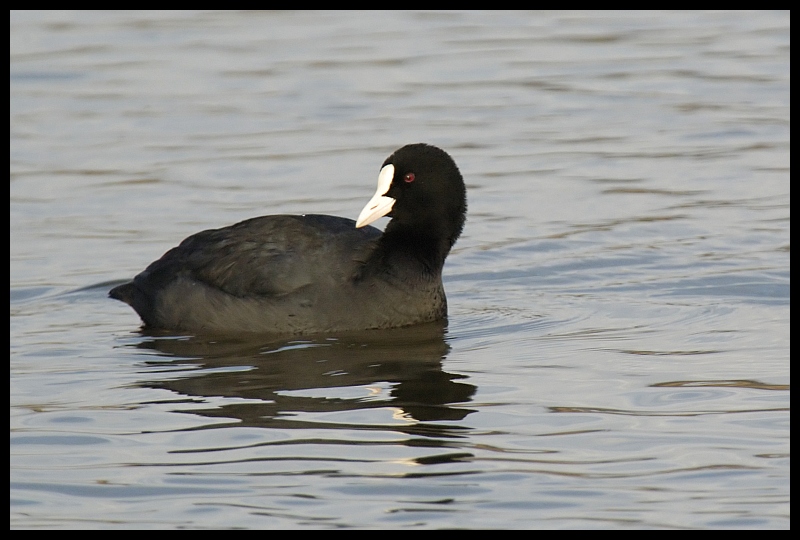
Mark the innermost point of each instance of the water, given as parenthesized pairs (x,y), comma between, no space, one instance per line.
(617,353)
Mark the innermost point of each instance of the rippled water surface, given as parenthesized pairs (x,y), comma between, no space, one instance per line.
(617,352)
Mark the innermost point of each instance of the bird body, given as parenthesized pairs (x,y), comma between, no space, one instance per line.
(287,274)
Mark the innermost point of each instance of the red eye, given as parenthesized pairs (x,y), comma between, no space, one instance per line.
(408,178)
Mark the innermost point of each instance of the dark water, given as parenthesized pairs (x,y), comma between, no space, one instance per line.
(617,353)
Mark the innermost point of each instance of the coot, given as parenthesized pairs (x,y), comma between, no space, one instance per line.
(304,274)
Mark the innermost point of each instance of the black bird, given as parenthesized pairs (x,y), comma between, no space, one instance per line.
(305,274)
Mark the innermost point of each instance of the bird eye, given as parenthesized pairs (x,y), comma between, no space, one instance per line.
(408,178)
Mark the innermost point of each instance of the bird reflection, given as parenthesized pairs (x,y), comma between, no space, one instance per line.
(278,381)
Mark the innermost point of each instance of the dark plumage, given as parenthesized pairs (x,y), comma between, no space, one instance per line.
(313,273)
